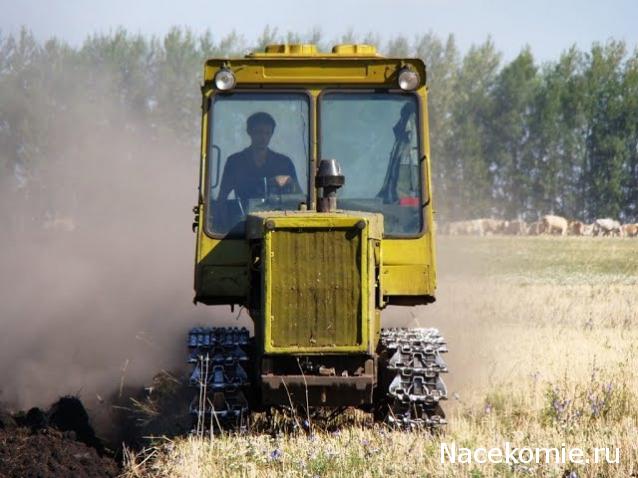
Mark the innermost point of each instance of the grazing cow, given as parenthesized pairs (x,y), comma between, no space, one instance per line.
(576,228)
(453,228)
(517,227)
(588,229)
(552,224)
(607,227)
(475,227)
(535,228)
(466,228)
(630,230)
(493,226)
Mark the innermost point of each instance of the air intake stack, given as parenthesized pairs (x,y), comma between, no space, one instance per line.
(329,178)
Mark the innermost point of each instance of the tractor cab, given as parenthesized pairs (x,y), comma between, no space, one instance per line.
(271,117)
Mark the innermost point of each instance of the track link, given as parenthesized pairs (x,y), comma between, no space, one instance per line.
(219,356)
(411,365)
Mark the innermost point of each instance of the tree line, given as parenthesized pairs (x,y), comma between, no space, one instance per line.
(509,139)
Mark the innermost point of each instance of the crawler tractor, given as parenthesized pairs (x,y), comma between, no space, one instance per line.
(315,214)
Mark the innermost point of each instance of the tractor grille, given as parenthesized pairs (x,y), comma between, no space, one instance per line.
(315,288)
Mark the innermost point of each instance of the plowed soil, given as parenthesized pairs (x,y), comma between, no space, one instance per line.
(58,443)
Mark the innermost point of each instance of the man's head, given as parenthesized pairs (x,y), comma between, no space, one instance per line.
(260,127)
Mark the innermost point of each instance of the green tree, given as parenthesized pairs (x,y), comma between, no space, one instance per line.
(607,154)
(558,128)
(630,109)
(398,46)
(470,177)
(442,64)
(508,131)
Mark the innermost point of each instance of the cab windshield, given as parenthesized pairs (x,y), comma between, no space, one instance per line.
(258,156)
(374,137)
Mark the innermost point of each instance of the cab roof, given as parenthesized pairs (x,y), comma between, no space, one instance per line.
(304,64)
(310,50)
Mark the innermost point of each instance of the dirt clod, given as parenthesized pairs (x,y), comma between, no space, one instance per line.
(7,422)
(47,454)
(58,443)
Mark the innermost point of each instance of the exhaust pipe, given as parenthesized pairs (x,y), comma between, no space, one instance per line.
(329,178)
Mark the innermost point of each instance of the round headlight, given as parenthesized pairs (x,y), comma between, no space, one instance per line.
(224,80)
(408,79)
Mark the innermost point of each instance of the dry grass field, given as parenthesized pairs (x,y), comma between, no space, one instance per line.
(543,339)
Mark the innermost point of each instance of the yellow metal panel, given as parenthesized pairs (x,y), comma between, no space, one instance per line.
(406,251)
(221,251)
(284,71)
(307,72)
(429,211)
(354,49)
(405,280)
(225,281)
(316,220)
(221,269)
(286,49)
(298,219)
(310,50)
(316,290)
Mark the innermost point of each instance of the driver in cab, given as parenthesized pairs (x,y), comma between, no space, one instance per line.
(258,171)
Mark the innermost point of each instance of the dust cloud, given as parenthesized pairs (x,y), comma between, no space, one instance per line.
(96,258)
(466,305)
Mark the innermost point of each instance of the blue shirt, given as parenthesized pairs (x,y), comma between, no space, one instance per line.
(243,176)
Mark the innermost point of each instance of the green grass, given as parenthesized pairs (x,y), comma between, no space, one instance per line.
(546,259)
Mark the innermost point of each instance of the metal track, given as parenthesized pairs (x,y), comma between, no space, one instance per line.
(219,356)
(413,364)
(410,361)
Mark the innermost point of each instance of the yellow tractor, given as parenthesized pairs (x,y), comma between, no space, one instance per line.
(315,214)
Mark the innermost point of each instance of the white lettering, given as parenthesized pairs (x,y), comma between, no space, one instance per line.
(478,453)
(450,453)
(495,455)
(576,456)
(617,458)
(548,457)
(509,453)
(530,455)
(465,456)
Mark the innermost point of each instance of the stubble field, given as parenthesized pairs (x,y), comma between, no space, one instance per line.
(543,339)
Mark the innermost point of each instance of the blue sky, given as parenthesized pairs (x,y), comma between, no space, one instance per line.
(549,27)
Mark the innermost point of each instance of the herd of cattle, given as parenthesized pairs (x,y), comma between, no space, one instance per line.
(548,224)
